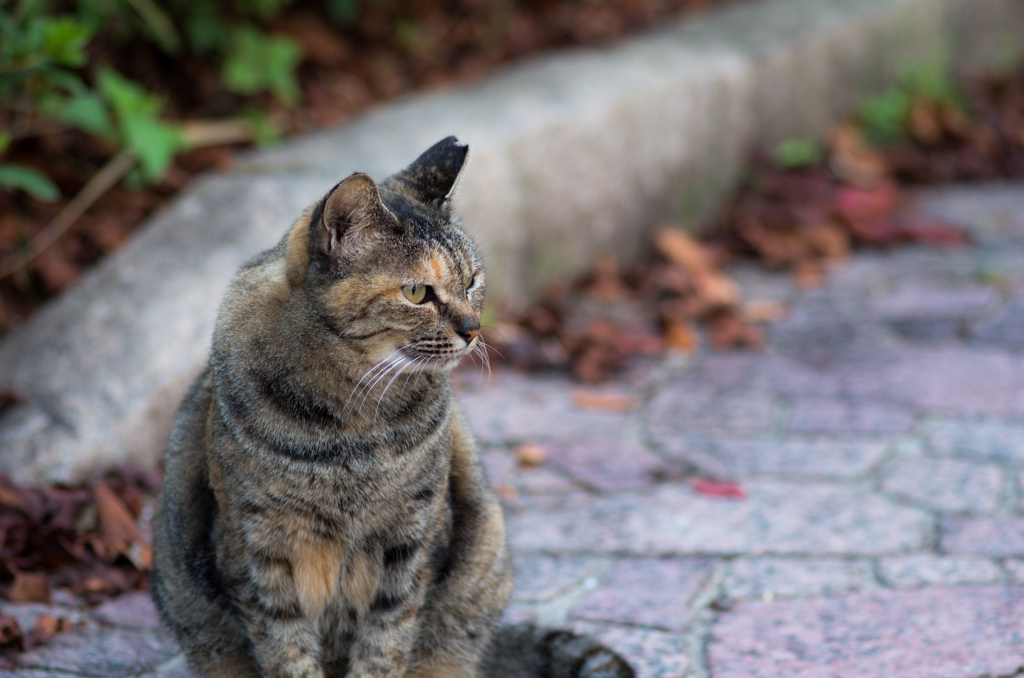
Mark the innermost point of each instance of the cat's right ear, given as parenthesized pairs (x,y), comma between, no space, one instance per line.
(352,214)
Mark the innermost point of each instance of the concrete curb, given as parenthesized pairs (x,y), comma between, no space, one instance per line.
(573,154)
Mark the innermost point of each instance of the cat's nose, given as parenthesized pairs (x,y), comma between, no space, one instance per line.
(468,330)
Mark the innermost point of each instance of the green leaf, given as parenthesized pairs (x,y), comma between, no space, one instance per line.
(257,62)
(799,152)
(885,117)
(64,41)
(33,182)
(5,141)
(153,143)
(126,97)
(931,78)
(87,113)
(63,79)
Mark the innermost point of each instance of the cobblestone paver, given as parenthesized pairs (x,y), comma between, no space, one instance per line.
(879,445)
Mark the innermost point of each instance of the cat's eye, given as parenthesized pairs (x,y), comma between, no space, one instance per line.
(415,293)
(469,285)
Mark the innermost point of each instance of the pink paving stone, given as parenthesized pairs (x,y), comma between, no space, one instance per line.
(984,536)
(683,408)
(792,378)
(646,592)
(608,466)
(947,380)
(822,415)
(928,633)
(775,518)
(132,610)
(504,473)
(516,408)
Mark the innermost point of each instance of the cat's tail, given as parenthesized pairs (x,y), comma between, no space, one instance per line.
(529,651)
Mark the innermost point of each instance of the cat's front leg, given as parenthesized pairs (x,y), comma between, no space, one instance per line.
(284,637)
(387,634)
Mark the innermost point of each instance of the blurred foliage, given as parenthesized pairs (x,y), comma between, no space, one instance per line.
(33,182)
(56,70)
(257,62)
(885,116)
(799,152)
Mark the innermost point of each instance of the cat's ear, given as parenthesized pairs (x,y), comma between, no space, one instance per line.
(432,176)
(352,213)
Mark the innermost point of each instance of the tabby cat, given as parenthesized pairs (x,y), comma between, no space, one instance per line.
(323,511)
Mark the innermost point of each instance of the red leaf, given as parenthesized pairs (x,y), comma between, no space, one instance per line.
(718,488)
(866,204)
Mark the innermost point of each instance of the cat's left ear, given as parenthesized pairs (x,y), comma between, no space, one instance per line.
(432,176)
(353,214)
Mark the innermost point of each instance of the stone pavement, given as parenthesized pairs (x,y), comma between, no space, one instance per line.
(880,444)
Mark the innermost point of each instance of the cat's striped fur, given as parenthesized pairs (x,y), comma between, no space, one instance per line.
(323,510)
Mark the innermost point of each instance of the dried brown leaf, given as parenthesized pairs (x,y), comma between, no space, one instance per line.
(30,587)
(681,336)
(682,250)
(117,526)
(764,311)
(529,455)
(506,492)
(716,290)
(46,627)
(604,400)
(854,160)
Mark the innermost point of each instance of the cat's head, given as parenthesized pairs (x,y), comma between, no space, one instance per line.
(388,269)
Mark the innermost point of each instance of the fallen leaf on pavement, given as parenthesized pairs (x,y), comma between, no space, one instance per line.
(30,587)
(506,492)
(118,530)
(681,336)
(46,627)
(529,455)
(603,400)
(682,250)
(764,311)
(718,488)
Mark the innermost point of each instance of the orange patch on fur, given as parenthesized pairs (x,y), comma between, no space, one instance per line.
(361,581)
(315,567)
(341,295)
(447,666)
(298,251)
(436,265)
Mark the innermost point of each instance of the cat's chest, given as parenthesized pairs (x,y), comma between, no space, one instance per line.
(337,548)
